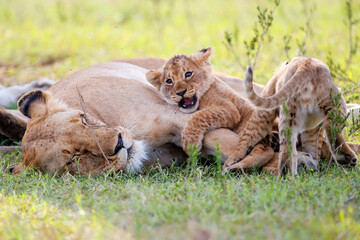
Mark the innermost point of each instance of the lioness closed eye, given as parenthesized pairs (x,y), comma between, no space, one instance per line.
(187,81)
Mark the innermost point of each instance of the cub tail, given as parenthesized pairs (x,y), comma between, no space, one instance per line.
(267,103)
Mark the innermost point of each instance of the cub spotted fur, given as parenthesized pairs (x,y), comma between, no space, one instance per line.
(188,82)
(304,85)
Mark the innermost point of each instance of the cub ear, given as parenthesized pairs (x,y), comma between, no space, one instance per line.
(153,77)
(33,104)
(203,56)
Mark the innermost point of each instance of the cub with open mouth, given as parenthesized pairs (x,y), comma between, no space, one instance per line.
(188,81)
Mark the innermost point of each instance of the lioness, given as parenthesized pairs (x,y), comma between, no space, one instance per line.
(58,136)
(129,119)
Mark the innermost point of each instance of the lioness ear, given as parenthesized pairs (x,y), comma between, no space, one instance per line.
(203,56)
(33,104)
(153,77)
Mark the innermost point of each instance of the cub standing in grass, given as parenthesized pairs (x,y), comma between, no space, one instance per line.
(304,85)
(187,81)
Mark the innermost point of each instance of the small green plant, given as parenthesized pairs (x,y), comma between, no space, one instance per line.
(12,106)
(265,18)
(338,122)
(287,46)
(351,23)
(340,71)
(287,132)
(218,160)
(287,129)
(353,125)
(5,142)
(306,29)
(193,160)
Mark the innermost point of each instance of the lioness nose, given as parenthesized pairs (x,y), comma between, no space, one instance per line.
(11,170)
(181,93)
(119,145)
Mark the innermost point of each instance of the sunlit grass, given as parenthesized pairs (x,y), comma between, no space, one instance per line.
(177,203)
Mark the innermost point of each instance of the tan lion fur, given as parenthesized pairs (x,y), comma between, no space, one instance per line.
(11,125)
(304,85)
(213,103)
(51,140)
(123,102)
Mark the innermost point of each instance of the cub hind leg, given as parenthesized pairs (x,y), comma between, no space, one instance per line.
(258,126)
(258,157)
(311,141)
(311,145)
(288,134)
(347,155)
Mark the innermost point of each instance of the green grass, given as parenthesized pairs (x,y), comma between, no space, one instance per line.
(180,203)
(55,38)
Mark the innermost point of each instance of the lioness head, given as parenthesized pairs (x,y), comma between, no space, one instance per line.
(183,79)
(59,139)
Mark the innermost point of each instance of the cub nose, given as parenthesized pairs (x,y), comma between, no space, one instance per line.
(182,93)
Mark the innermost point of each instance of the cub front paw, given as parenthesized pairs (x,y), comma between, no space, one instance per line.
(187,144)
(234,158)
(230,161)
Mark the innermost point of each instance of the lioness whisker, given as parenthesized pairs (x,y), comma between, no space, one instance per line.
(128,124)
(90,125)
(99,126)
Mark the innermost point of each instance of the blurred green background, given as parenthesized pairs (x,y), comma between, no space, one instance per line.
(54,38)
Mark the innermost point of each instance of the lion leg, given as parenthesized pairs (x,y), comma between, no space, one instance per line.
(354,146)
(272,165)
(310,148)
(311,141)
(11,126)
(257,128)
(288,134)
(227,140)
(304,160)
(258,157)
(347,156)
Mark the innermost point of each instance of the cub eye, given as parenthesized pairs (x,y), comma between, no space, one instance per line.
(169,81)
(188,74)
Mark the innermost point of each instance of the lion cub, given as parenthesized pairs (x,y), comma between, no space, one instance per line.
(187,81)
(304,85)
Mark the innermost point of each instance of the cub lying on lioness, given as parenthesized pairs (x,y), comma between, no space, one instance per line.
(306,88)
(187,81)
